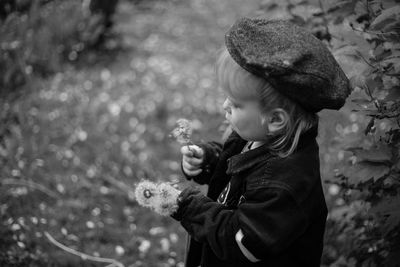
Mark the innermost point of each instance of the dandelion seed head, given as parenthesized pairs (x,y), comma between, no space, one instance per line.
(167,191)
(162,198)
(183,132)
(145,193)
(167,199)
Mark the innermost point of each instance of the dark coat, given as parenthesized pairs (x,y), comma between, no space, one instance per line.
(278,203)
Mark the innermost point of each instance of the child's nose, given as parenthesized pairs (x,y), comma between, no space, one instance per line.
(226,106)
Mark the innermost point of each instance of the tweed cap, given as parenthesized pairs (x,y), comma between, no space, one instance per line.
(295,62)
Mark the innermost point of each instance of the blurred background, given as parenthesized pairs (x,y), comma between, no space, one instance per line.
(91,89)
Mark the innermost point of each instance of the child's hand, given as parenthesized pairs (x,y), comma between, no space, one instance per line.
(192,159)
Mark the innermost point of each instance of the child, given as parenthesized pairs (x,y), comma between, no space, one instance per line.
(265,204)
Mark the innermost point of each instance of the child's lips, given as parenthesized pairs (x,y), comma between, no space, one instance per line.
(228,122)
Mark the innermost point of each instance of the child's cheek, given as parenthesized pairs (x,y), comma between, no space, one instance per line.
(237,123)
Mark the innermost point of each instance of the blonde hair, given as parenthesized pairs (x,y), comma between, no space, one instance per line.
(242,84)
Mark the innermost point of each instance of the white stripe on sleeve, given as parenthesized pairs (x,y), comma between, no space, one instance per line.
(238,237)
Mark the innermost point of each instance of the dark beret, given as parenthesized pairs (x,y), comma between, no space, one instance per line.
(295,62)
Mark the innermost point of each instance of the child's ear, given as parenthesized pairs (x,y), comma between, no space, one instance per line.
(276,120)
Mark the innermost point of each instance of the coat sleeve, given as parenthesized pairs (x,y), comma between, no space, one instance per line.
(212,151)
(269,221)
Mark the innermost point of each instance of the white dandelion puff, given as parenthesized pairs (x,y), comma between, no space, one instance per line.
(162,198)
(183,132)
(145,193)
(167,199)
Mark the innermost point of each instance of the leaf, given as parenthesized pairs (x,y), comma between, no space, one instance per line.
(378,154)
(391,36)
(387,17)
(390,209)
(373,83)
(360,9)
(394,94)
(357,80)
(350,57)
(392,26)
(344,8)
(393,60)
(364,171)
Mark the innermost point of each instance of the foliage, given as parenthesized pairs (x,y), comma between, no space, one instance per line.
(364,36)
(37,37)
(374,169)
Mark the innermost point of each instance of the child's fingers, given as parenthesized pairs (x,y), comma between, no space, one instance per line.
(193,172)
(187,166)
(192,160)
(198,151)
(192,151)
(186,151)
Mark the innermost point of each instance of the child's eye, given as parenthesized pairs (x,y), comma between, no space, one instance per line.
(232,103)
(235,105)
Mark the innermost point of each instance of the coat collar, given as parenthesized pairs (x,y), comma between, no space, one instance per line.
(248,159)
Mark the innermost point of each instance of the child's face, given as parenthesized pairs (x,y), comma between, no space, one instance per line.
(245,117)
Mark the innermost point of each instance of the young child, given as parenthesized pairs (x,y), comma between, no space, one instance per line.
(265,204)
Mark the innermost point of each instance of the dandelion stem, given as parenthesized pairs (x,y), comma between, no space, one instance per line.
(30,184)
(83,255)
(191,149)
